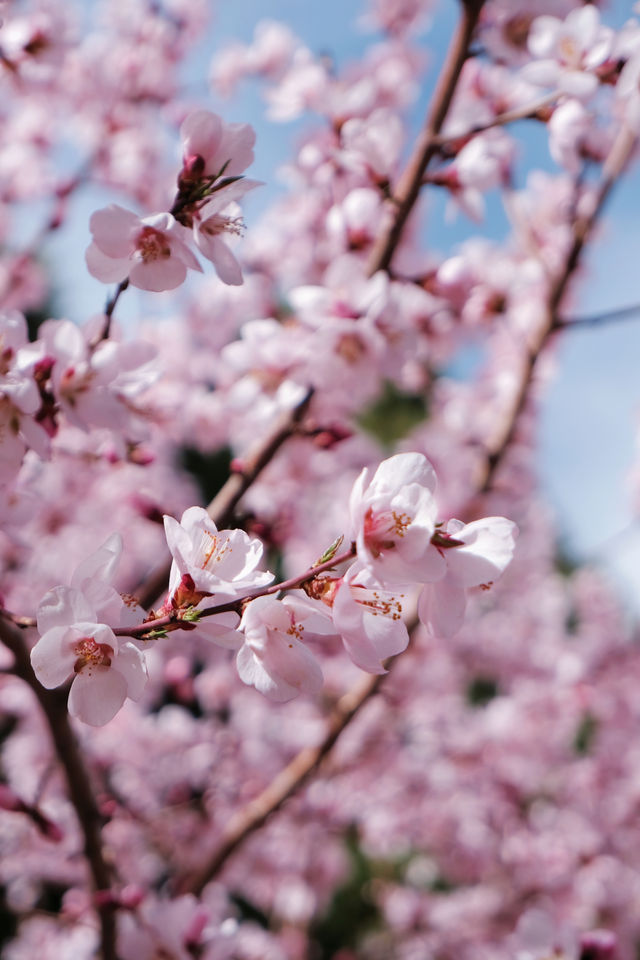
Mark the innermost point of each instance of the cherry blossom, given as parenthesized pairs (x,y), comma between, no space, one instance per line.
(367,616)
(216,147)
(219,217)
(148,251)
(476,555)
(75,642)
(569,52)
(393,515)
(274,658)
(209,567)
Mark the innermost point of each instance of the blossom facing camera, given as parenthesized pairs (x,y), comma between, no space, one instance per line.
(76,642)
(149,251)
(393,515)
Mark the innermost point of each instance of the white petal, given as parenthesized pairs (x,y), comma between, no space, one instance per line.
(63,606)
(52,658)
(130,662)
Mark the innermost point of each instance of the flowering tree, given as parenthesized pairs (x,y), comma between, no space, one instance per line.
(290,666)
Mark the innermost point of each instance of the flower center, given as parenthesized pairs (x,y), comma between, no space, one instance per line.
(382,529)
(218,223)
(215,550)
(152,244)
(377,602)
(91,654)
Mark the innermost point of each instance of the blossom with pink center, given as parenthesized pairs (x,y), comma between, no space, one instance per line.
(393,516)
(221,562)
(474,555)
(273,658)
(76,642)
(148,251)
(368,618)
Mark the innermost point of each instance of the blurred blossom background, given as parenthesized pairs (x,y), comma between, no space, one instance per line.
(483,806)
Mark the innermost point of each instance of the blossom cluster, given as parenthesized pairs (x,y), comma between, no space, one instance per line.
(397,543)
(153,252)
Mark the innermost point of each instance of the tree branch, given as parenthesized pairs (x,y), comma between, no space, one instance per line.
(284,785)
(176,621)
(408,187)
(66,746)
(583,228)
(110,306)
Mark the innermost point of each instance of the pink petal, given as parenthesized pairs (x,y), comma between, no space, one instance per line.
(104,268)
(112,228)
(158,275)
(216,250)
(102,564)
(96,695)
(441,607)
(130,662)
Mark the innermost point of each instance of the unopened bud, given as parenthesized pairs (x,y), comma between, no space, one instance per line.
(192,170)
(598,945)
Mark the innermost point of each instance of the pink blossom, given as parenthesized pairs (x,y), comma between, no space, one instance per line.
(274,658)
(75,641)
(569,52)
(98,386)
(480,553)
(148,251)
(368,617)
(210,567)
(393,516)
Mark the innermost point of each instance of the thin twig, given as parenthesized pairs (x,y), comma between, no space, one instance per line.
(66,746)
(110,306)
(598,319)
(224,503)
(175,621)
(407,189)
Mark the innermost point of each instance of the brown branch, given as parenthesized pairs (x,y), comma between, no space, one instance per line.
(67,749)
(283,786)
(583,228)
(175,620)
(407,189)
(110,306)
(224,503)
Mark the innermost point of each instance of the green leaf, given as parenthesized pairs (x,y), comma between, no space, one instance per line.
(393,415)
(585,734)
(330,552)
(481,690)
